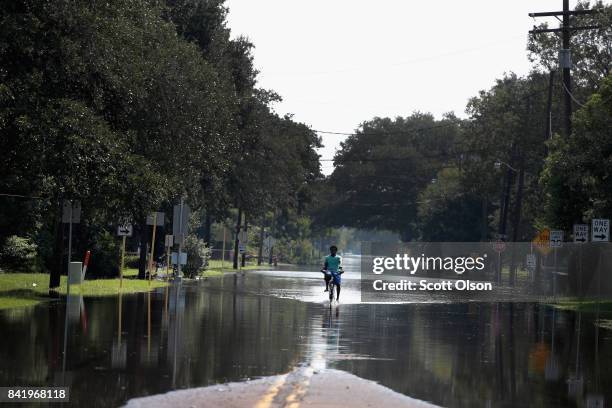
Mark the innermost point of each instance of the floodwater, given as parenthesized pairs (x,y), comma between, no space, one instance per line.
(247,326)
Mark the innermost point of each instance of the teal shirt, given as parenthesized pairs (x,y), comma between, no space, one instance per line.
(333,263)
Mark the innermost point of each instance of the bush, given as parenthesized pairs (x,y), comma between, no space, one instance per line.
(19,253)
(198,255)
(104,256)
(132,261)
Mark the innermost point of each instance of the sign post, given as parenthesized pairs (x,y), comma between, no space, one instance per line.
(180,219)
(155,219)
(169,242)
(556,241)
(499,246)
(71,214)
(223,250)
(581,235)
(123,231)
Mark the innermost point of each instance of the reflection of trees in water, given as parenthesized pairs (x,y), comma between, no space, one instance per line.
(472,354)
(221,337)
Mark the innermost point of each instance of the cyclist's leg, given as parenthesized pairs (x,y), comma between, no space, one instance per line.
(337,291)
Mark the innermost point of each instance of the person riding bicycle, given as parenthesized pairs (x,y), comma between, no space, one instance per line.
(333,269)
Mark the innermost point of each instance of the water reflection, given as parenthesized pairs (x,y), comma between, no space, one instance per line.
(252,325)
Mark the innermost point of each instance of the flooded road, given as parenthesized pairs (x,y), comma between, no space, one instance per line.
(266,323)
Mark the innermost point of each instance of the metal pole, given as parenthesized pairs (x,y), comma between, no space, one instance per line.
(181,237)
(152,246)
(566,69)
(69,251)
(122,262)
(167,261)
(551,80)
(223,250)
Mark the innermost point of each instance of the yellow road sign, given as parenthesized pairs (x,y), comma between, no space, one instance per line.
(542,241)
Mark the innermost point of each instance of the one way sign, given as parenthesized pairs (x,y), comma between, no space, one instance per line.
(581,233)
(600,230)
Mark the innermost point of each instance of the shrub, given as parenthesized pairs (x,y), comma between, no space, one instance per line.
(19,253)
(198,255)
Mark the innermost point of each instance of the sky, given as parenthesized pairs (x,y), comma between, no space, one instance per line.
(338,63)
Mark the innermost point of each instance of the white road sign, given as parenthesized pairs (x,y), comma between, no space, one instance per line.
(581,233)
(556,238)
(180,219)
(71,207)
(530,262)
(159,220)
(125,230)
(169,242)
(183,258)
(600,230)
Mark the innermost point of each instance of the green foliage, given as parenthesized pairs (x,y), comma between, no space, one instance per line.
(591,56)
(382,168)
(18,253)
(577,176)
(446,212)
(128,105)
(198,255)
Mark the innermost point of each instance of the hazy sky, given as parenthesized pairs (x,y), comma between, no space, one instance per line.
(337,63)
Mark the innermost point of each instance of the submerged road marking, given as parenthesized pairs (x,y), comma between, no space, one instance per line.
(294,399)
(266,400)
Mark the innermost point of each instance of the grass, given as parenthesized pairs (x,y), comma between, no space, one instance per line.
(28,289)
(214,267)
(585,305)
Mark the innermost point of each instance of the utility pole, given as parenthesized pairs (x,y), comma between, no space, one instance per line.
(564,53)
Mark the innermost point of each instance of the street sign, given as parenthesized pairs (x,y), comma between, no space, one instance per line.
(169,240)
(71,207)
(542,241)
(530,262)
(499,246)
(243,237)
(556,239)
(180,219)
(242,248)
(158,221)
(125,230)
(183,258)
(581,233)
(600,230)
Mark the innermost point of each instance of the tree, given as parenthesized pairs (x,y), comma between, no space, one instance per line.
(577,176)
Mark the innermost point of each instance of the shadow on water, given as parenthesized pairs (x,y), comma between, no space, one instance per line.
(240,327)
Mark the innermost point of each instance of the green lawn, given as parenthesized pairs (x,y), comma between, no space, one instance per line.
(584,305)
(214,267)
(27,289)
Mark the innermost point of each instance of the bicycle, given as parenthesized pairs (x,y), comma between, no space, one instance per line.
(332,284)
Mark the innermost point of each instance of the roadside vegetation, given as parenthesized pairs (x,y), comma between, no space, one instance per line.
(28,289)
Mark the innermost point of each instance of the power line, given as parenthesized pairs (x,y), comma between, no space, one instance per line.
(391,132)
(396,64)
(19,196)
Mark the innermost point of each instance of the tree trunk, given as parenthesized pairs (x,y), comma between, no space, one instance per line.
(246,230)
(207,227)
(236,243)
(142,261)
(262,232)
(517,217)
(57,264)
